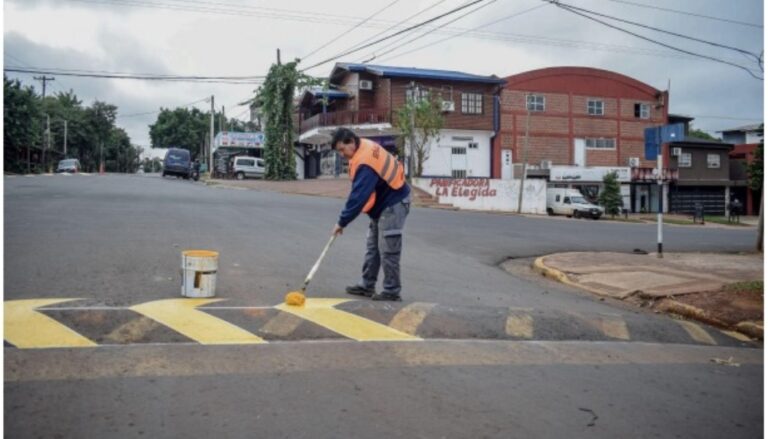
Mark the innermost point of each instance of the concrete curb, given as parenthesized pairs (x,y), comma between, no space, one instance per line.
(751,329)
(555,274)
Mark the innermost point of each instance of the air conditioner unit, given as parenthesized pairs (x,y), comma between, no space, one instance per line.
(676,152)
(546,164)
(634,162)
(448,106)
(366,84)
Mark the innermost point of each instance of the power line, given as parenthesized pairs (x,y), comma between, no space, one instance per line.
(465,32)
(161,109)
(85,74)
(634,23)
(428,32)
(677,11)
(337,37)
(353,50)
(401,22)
(642,37)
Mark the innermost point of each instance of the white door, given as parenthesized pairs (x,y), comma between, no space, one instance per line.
(579,152)
(459,162)
(506,164)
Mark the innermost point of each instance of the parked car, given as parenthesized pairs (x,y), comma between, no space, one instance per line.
(248,167)
(571,203)
(177,162)
(68,165)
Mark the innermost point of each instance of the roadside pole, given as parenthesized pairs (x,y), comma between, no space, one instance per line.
(660,215)
(47,141)
(210,144)
(525,161)
(414,94)
(65,138)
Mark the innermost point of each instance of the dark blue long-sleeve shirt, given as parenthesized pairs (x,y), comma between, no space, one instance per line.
(365,183)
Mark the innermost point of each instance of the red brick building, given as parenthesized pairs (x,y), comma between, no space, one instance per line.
(580,118)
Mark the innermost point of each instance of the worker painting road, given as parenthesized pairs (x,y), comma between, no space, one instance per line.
(98,342)
(378,189)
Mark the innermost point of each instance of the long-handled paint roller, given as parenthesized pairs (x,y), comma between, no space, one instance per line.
(296,298)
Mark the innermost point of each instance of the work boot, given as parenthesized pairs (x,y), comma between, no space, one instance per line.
(358,290)
(386,296)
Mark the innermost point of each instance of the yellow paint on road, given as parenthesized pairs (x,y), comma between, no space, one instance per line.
(411,317)
(737,335)
(323,312)
(614,327)
(28,329)
(182,316)
(697,332)
(282,324)
(519,324)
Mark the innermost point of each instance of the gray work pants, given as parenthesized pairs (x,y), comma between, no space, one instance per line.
(383,246)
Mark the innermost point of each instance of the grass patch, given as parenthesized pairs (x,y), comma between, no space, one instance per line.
(722,220)
(679,222)
(752,286)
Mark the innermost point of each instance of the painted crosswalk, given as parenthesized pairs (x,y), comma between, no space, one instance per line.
(76,323)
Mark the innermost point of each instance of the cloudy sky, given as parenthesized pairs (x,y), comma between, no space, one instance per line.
(239,38)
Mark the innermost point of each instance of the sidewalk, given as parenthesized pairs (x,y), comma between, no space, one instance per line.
(321,187)
(719,289)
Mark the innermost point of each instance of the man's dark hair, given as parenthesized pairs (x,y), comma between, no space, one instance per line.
(344,135)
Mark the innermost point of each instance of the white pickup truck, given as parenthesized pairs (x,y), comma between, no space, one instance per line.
(571,203)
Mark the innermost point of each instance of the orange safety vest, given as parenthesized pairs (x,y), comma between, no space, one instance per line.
(371,154)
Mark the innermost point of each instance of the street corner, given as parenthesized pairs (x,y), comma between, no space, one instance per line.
(717,289)
(73,323)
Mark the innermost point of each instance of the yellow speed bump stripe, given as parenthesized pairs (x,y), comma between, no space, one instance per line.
(322,312)
(410,318)
(697,332)
(26,328)
(181,316)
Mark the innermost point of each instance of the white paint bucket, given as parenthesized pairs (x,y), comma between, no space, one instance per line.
(198,273)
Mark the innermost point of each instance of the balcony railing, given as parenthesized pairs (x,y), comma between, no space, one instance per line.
(337,118)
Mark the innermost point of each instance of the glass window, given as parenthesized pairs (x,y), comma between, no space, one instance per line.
(458,151)
(601,143)
(472,103)
(421,93)
(595,107)
(535,102)
(459,173)
(642,111)
(684,161)
(713,161)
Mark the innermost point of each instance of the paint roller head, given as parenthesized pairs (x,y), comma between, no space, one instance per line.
(294,298)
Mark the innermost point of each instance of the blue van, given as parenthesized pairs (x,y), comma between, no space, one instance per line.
(177,162)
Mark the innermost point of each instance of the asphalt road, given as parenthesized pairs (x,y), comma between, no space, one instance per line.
(115,241)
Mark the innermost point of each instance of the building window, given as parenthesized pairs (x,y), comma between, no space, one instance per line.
(684,161)
(422,94)
(642,111)
(459,173)
(595,107)
(601,143)
(458,151)
(472,103)
(535,102)
(474,145)
(713,161)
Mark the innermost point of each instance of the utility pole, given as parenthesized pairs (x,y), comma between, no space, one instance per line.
(44,79)
(65,138)
(278,56)
(222,120)
(525,161)
(414,93)
(660,214)
(47,141)
(101,157)
(210,145)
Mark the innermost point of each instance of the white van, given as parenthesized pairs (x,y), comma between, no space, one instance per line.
(248,167)
(571,203)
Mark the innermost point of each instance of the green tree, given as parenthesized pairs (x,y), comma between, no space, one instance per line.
(610,198)
(21,124)
(422,119)
(275,98)
(181,128)
(755,168)
(699,134)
